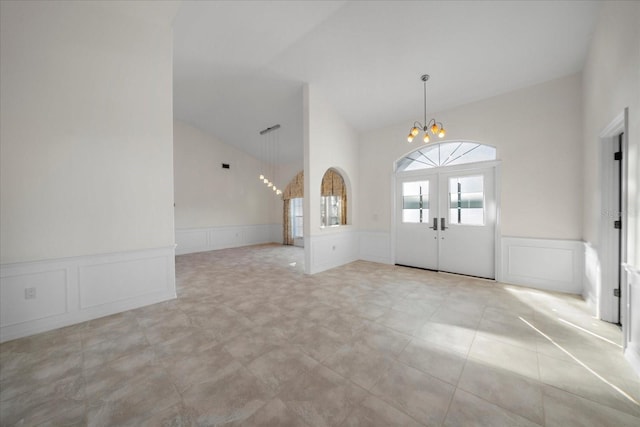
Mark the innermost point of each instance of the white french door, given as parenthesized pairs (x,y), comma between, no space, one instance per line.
(446,220)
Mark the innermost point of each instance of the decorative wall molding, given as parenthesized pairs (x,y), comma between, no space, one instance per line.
(192,240)
(630,326)
(331,250)
(77,289)
(375,246)
(553,265)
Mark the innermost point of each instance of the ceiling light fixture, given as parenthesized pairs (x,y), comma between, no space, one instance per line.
(436,128)
(271,148)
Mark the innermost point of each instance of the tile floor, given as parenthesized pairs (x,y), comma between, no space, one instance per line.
(253,341)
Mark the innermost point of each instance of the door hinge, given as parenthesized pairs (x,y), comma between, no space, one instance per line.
(617,155)
(616,292)
(617,224)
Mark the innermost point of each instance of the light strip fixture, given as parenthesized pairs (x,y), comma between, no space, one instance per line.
(436,128)
(271,153)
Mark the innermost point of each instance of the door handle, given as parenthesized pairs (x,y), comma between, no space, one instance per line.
(435,224)
(442,226)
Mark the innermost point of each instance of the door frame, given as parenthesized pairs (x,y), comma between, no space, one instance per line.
(495,164)
(607,252)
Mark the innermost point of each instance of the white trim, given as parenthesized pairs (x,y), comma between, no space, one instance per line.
(77,289)
(607,252)
(552,265)
(632,347)
(190,240)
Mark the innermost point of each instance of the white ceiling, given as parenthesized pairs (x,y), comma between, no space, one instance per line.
(239,66)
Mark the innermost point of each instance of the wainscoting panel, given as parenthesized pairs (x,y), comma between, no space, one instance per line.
(554,265)
(331,250)
(212,238)
(375,246)
(49,289)
(44,295)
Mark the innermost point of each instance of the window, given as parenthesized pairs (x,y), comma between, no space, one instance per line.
(415,202)
(466,200)
(333,200)
(446,154)
(296,218)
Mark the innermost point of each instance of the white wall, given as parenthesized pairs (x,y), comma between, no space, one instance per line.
(611,83)
(220,208)
(86,131)
(207,195)
(329,143)
(86,159)
(536,131)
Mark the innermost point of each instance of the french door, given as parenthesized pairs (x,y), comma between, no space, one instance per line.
(446,219)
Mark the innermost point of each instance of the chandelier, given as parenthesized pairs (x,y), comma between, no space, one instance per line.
(271,149)
(433,127)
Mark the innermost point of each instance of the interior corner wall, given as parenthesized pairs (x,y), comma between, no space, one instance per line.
(219,208)
(329,143)
(611,83)
(537,134)
(86,161)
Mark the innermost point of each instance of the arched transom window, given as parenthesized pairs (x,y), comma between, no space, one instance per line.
(446,154)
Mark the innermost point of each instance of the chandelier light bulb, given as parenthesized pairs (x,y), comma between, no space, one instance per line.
(265,180)
(270,184)
(279,192)
(261,177)
(274,188)
(432,126)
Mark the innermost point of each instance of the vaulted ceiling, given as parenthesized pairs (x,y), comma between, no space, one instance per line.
(239,66)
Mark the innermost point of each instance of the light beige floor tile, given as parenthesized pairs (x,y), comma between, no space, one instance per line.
(280,365)
(321,397)
(403,322)
(422,396)
(132,402)
(273,414)
(359,363)
(583,382)
(469,410)
(440,362)
(374,412)
(234,397)
(184,362)
(457,338)
(318,342)
(518,394)
(506,356)
(564,409)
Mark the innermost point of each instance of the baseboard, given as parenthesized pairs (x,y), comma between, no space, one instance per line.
(72,290)
(631,326)
(632,354)
(193,240)
(553,265)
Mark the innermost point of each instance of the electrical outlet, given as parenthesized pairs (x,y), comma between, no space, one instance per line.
(30,293)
